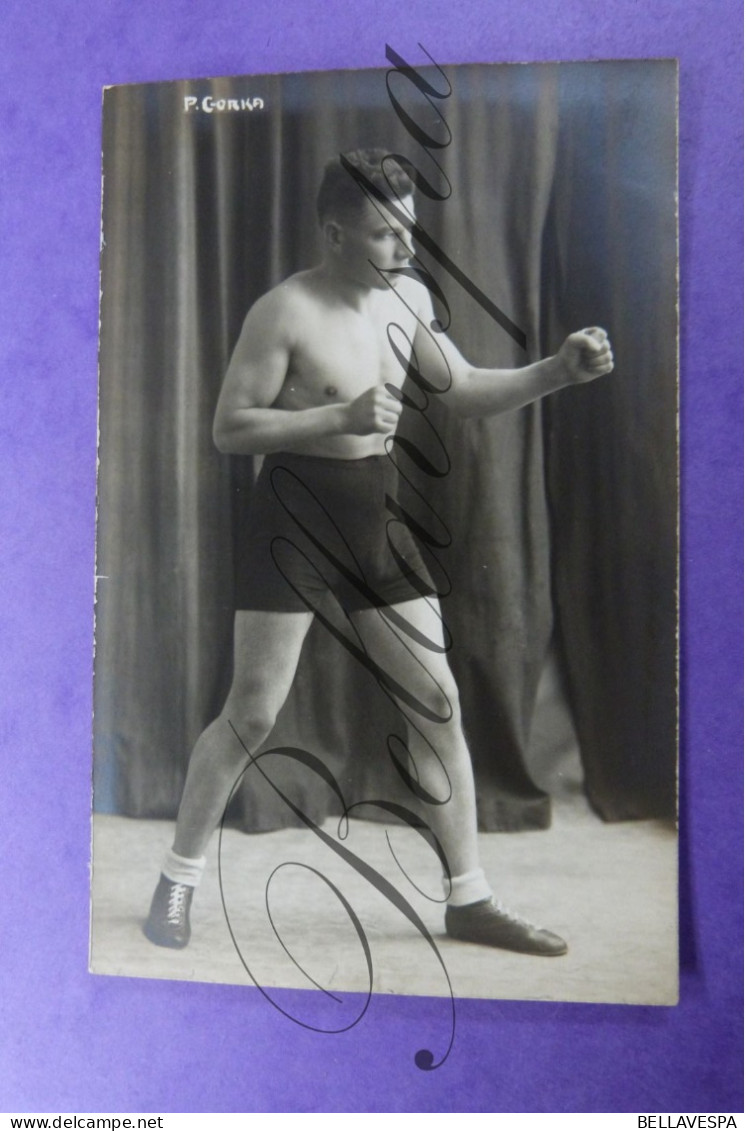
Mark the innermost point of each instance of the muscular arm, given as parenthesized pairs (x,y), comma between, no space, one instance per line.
(475,391)
(245,423)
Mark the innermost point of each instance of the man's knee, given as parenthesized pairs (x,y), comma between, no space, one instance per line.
(252,709)
(438,695)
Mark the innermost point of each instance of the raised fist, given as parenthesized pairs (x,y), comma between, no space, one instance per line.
(375,410)
(586,355)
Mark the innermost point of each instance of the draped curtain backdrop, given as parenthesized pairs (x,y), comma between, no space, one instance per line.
(562,516)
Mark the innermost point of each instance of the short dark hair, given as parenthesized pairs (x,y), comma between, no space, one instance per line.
(340,194)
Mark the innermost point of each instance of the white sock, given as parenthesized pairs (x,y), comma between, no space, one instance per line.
(471,887)
(182,870)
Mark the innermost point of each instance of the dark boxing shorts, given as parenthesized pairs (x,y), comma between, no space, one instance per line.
(315,525)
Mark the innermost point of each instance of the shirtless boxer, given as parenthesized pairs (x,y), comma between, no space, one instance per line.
(311,386)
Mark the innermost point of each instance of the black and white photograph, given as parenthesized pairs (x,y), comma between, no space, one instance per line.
(385,692)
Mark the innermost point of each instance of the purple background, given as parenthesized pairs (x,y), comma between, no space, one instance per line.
(73,1042)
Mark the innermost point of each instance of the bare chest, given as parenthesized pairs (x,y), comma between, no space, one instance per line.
(340,354)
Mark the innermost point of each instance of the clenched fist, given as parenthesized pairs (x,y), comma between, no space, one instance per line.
(375,410)
(586,355)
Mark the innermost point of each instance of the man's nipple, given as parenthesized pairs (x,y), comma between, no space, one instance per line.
(331,390)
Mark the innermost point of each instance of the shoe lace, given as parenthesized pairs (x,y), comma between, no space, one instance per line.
(512,916)
(176,900)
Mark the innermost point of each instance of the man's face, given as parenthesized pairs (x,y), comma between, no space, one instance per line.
(373,239)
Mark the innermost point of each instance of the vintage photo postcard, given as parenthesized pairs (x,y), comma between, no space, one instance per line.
(386,614)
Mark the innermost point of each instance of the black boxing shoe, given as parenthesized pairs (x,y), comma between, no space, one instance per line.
(168,921)
(488,923)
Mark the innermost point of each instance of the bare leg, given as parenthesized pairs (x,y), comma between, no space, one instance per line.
(266,651)
(267,648)
(439,753)
(438,746)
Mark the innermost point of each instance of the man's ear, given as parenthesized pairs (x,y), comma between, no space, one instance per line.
(332,230)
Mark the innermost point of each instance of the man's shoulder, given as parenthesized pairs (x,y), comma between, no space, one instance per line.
(286,295)
(411,291)
(279,309)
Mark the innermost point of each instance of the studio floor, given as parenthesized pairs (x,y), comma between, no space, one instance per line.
(609,889)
